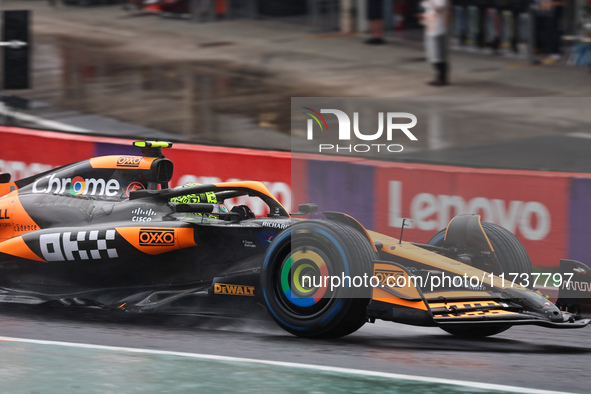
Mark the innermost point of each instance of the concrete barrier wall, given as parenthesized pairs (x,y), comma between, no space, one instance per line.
(548,211)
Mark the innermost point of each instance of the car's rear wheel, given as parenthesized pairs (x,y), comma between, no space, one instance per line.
(511,254)
(296,293)
(512,259)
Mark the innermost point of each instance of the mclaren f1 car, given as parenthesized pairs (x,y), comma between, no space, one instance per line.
(108,232)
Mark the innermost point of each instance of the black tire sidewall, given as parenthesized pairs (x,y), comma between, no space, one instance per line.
(512,258)
(511,254)
(345,310)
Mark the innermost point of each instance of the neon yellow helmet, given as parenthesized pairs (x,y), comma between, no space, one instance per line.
(206,197)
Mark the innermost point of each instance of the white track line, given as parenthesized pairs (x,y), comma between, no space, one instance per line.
(323,368)
(579,134)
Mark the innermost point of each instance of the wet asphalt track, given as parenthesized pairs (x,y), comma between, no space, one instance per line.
(527,357)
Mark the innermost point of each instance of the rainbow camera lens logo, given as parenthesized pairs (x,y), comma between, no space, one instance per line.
(77,186)
(297,276)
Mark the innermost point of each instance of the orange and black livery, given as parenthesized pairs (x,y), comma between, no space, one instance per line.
(109,232)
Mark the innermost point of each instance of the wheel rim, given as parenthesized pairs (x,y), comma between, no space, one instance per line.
(301,287)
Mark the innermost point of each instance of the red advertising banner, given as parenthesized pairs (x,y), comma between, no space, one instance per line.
(533,205)
(29,152)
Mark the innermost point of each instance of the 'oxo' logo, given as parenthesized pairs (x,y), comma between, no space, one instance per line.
(345,124)
(156,237)
(128,161)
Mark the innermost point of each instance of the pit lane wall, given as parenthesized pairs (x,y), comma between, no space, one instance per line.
(548,211)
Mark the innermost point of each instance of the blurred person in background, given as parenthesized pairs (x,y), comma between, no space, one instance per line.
(129,5)
(436,18)
(221,8)
(549,16)
(375,15)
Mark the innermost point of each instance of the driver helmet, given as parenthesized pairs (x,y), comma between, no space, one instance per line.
(206,197)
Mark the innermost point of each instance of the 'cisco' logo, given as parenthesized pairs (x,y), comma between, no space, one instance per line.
(156,237)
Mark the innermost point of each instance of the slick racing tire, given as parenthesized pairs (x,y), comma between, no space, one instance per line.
(317,249)
(511,254)
(512,258)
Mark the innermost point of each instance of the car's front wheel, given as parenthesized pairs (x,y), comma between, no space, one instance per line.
(300,274)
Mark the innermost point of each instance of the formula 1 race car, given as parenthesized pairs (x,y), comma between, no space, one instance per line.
(108,232)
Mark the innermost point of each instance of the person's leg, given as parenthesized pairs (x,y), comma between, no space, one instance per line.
(438,80)
(440,63)
(446,73)
(555,39)
(440,69)
(376,21)
(377,27)
(440,74)
(552,48)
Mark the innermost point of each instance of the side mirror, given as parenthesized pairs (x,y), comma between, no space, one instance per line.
(4,177)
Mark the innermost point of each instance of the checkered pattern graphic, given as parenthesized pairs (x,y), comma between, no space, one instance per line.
(81,245)
(90,245)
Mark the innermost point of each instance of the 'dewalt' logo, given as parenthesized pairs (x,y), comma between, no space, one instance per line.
(239,290)
(156,237)
(128,161)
